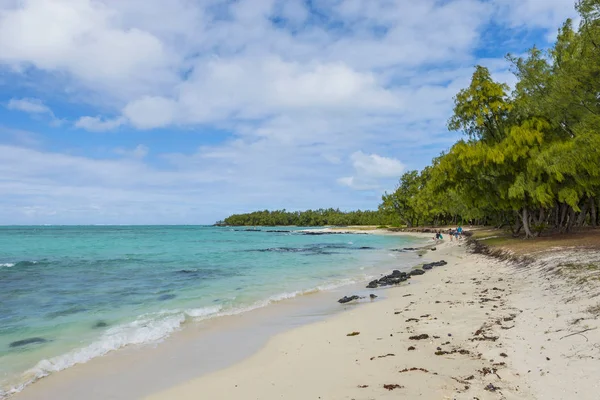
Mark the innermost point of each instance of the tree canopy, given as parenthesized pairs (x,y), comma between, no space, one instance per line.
(530,158)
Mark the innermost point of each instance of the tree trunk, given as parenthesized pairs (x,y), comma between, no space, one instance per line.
(593,211)
(583,213)
(525,218)
(571,220)
(563,214)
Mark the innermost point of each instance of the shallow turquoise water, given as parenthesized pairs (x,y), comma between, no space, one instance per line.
(85,291)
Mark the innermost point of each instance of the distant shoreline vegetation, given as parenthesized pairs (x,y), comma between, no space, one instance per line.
(320,217)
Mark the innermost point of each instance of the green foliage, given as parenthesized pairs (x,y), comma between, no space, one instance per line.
(531,158)
(319,217)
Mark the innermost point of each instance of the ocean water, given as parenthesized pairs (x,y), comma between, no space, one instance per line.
(72,293)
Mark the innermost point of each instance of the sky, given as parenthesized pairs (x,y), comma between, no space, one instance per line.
(186,111)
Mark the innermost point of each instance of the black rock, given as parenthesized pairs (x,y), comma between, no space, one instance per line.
(416,272)
(435,264)
(165,297)
(394,278)
(372,296)
(372,285)
(100,324)
(27,341)
(347,299)
(433,249)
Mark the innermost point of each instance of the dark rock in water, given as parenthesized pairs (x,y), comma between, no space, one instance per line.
(347,299)
(27,341)
(372,284)
(165,297)
(100,324)
(417,271)
(433,248)
(397,273)
(276,231)
(366,248)
(316,233)
(372,296)
(427,266)
(405,249)
(186,271)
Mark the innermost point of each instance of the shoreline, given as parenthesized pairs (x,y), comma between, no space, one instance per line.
(73,382)
(483,334)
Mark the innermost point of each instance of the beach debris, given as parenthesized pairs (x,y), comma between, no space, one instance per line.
(503,355)
(353,334)
(392,386)
(384,356)
(25,342)
(491,388)
(487,371)
(413,369)
(373,296)
(412,319)
(462,381)
(483,338)
(426,316)
(411,348)
(347,299)
(433,249)
(459,351)
(363,386)
(419,337)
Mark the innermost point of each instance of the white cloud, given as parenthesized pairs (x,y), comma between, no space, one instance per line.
(545,14)
(151,112)
(99,124)
(375,166)
(139,152)
(370,169)
(34,106)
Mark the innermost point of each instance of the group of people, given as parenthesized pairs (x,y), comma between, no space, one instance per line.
(454,234)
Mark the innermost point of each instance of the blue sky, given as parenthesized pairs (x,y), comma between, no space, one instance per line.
(147,111)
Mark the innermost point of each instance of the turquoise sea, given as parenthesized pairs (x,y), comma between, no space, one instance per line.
(72,293)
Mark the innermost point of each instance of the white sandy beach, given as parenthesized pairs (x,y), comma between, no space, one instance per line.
(499,331)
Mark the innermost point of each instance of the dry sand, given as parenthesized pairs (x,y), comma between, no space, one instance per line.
(494,331)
